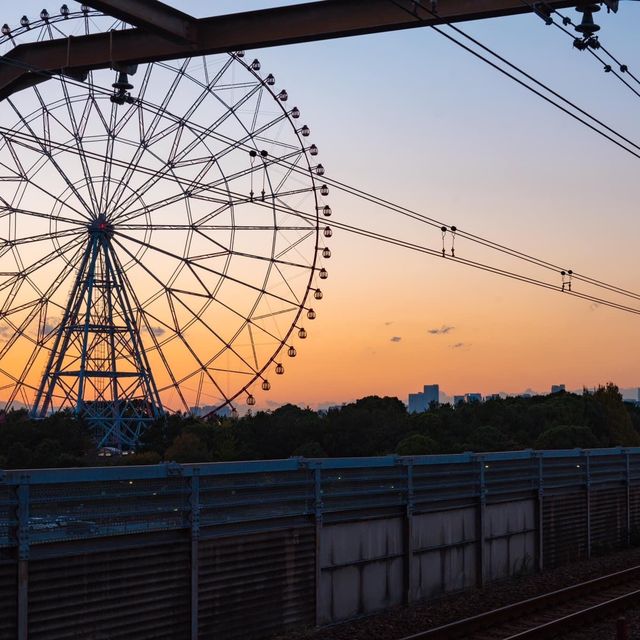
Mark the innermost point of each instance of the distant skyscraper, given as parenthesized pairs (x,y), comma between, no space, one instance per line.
(557,388)
(419,402)
(473,397)
(458,400)
(638,396)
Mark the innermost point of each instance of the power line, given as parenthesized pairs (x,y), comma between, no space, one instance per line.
(524,84)
(472,237)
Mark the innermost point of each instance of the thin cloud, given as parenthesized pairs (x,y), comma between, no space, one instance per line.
(157,331)
(386,324)
(459,345)
(396,339)
(443,330)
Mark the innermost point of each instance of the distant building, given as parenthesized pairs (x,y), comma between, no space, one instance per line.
(458,400)
(421,401)
(493,396)
(473,397)
(557,388)
(638,395)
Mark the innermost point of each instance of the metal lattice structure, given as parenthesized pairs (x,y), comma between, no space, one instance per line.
(160,235)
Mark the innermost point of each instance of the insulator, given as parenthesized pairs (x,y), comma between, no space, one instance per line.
(266,385)
(320,171)
(255,65)
(588,27)
(264,153)
(251,400)
(253,153)
(328,232)
(84,8)
(318,295)
(326,210)
(279,369)
(324,190)
(311,314)
(24,21)
(323,274)
(283,96)
(305,131)
(295,113)
(291,352)
(326,252)
(313,150)
(270,80)
(302,333)
(6,30)
(122,83)
(239,54)
(64,11)
(44,14)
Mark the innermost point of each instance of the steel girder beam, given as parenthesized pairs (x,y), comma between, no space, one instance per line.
(151,16)
(29,64)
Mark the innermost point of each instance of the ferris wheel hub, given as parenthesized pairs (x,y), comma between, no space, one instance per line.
(100,227)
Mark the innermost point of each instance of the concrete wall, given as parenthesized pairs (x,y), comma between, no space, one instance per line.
(371,565)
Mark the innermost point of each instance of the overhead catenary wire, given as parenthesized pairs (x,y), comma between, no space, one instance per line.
(474,238)
(566,21)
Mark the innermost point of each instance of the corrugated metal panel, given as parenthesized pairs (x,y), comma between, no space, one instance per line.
(350,494)
(565,528)
(8,599)
(256,496)
(121,594)
(442,486)
(253,586)
(510,479)
(608,519)
(88,509)
(634,508)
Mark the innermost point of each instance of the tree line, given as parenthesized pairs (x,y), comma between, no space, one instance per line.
(369,426)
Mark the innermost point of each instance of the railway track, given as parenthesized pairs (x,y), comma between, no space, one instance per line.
(547,616)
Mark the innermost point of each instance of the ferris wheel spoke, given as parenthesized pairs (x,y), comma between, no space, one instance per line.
(20,330)
(7,209)
(200,266)
(196,191)
(169,292)
(38,264)
(175,156)
(107,161)
(210,227)
(78,131)
(213,332)
(4,244)
(146,136)
(177,332)
(51,158)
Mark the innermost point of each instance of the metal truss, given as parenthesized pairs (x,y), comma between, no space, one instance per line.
(167,34)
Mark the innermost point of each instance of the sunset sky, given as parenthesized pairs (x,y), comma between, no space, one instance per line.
(412,118)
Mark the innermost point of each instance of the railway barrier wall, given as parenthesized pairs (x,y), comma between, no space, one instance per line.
(247,549)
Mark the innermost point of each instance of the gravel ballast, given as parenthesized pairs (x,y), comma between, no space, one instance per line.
(398,622)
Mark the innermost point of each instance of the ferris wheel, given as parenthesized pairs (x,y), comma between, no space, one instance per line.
(162,235)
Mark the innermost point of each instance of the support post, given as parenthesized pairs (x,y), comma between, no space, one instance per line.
(317,514)
(408,537)
(627,482)
(540,516)
(588,468)
(23,558)
(194,504)
(480,523)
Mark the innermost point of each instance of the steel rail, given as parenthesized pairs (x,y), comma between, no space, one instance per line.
(491,620)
